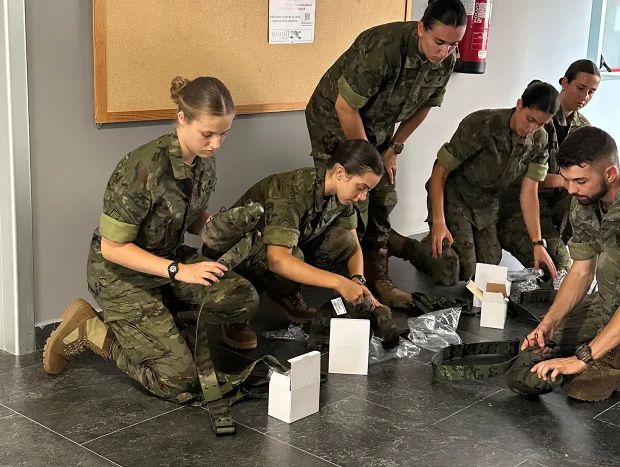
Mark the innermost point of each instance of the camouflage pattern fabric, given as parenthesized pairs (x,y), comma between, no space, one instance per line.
(151,199)
(595,236)
(444,370)
(299,216)
(384,76)
(484,159)
(329,252)
(146,325)
(554,204)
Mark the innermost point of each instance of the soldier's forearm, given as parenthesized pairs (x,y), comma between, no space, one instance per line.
(133,257)
(436,189)
(282,262)
(608,339)
(406,128)
(573,289)
(553,181)
(350,120)
(531,208)
(356,261)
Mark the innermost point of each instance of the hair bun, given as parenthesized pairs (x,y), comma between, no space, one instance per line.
(176,87)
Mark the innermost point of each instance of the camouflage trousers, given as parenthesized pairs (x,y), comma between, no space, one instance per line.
(472,245)
(373,214)
(330,252)
(149,327)
(581,325)
(515,239)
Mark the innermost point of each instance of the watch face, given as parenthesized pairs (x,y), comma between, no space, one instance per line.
(173,268)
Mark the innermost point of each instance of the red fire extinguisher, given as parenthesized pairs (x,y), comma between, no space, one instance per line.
(473,48)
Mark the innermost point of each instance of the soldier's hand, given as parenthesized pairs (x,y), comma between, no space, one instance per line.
(351,291)
(439,232)
(536,338)
(541,256)
(205,273)
(389,162)
(374,301)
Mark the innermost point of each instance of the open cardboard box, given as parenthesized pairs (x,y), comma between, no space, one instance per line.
(491,294)
(295,395)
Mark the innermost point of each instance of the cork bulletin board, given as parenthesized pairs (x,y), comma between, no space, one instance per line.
(140,45)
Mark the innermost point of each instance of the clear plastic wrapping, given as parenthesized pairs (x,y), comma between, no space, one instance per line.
(292,333)
(558,281)
(378,354)
(436,330)
(526,274)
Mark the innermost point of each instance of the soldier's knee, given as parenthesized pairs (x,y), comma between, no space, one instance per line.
(177,382)
(467,268)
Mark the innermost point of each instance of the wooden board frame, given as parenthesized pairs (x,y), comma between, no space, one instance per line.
(100,81)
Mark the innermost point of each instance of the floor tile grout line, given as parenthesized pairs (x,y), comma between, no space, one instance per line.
(606,422)
(68,439)
(471,405)
(131,426)
(284,442)
(606,410)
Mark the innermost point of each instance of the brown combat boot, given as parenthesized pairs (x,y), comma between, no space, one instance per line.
(239,336)
(293,305)
(376,268)
(80,329)
(595,384)
(445,269)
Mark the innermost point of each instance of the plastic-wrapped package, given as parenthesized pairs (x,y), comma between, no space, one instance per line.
(293,333)
(526,274)
(557,282)
(378,354)
(436,330)
(525,286)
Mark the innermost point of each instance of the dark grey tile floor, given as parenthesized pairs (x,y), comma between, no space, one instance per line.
(93,415)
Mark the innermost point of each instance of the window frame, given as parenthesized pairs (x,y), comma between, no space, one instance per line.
(595,39)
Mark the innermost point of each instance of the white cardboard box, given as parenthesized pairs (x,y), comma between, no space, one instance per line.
(296,395)
(486,273)
(349,342)
(493,314)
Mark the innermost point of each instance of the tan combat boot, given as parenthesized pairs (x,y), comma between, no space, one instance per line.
(445,269)
(239,336)
(595,384)
(376,269)
(80,329)
(293,305)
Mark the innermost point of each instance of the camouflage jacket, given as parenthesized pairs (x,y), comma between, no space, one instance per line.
(151,199)
(557,130)
(296,208)
(485,159)
(384,76)
(597,234)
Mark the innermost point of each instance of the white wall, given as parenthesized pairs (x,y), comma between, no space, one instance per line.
(529,39)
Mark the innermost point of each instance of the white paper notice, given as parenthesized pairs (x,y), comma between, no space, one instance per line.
(291,21)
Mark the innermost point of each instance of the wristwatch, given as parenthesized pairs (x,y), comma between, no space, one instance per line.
(173,269)
(397,147)
(584,353)
(360,277)
(542,242)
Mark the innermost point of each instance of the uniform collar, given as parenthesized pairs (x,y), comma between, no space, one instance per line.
(562,120)
(319,191)
(414,58)
(501,127)
(179,168)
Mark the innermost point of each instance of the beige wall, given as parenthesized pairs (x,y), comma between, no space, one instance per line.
(71,159)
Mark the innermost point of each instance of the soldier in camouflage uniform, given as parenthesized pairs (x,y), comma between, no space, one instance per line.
(490,150)
(578,86)
(147,282)
(392,73)
(309,229)
(585,328)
